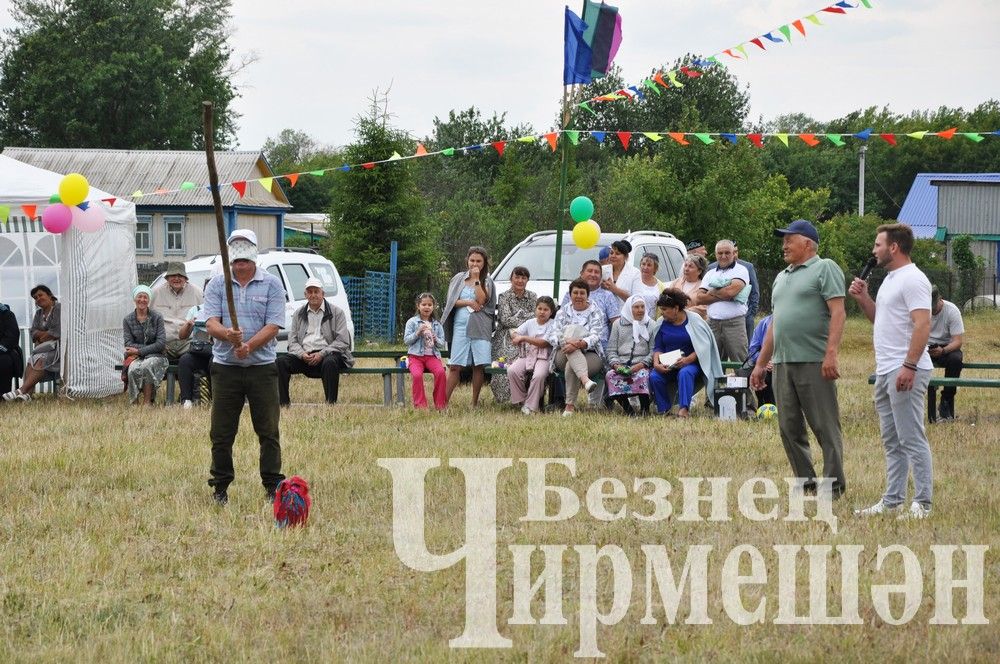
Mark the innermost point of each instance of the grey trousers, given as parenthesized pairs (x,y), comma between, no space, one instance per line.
(901,419)
(804,396)
(731,336)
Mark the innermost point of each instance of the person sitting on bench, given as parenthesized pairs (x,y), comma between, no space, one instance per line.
(945,348)
(319,344)
(44,359)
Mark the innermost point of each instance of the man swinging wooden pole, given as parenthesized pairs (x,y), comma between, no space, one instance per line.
(220,224)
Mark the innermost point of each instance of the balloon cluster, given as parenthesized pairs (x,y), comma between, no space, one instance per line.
(71,208)
(586,232)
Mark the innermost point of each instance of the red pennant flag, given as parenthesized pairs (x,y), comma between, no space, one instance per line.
(756,139)
(690,73)
(368,166)
(624,137)
(292,179)
(834,10)
(241,188)
(947,133)
(552,138)
(421,150)
(679,137)
(756,40)
(110,201)
(809,139)
(30,210)
(658,77)
(889,138)
(798,26)
(500,145)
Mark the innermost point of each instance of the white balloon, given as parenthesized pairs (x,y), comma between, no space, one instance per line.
(90,220)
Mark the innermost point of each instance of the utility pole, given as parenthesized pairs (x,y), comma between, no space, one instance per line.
(861,179)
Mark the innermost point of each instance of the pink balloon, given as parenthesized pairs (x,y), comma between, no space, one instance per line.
(90,220)
(57,218)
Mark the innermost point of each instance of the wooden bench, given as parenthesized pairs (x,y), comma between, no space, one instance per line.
(941,381)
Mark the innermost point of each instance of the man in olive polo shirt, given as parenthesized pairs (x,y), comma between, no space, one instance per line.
(808,304)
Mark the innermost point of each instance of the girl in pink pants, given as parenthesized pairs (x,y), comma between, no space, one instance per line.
(531,336)
(424,338)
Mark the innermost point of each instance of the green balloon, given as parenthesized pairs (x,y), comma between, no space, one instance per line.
(54,198)
(581,209)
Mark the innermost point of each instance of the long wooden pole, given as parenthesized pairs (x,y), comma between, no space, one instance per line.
(220,224)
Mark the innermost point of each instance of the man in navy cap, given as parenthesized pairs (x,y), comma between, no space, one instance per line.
(697,247)
(802,343)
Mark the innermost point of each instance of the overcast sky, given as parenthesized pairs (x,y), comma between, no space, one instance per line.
(319,60)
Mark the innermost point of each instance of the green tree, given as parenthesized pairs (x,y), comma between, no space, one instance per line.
(370,208)
(116,73)
(295,151)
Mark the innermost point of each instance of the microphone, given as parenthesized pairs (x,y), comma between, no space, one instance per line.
(867,269)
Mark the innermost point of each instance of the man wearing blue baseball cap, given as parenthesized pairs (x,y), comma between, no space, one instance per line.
(808,321)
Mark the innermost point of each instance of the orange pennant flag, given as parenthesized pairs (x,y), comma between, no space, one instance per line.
(421,150)
(809,139)
(499,146)
(552,138)
(798,26)
(292,179)
(679,137)
(658,77)
(947,134)
(160,191)
(241,188)
(30,210)
(624,137)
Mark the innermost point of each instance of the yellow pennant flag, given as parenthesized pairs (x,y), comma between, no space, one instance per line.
(652,135)
(917,134)
(783,138)
(266,183)
(526,139)
(395,156)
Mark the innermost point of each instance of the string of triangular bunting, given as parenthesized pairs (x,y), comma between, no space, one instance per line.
(672,79)
(625,139)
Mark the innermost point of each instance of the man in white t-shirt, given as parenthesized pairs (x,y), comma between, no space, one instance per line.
(902,318)
(725,289)
(945,349)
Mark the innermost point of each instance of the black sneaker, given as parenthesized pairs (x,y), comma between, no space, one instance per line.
(271,493)
(221,498)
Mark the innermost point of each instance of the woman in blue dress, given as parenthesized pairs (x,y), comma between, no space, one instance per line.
(468,321)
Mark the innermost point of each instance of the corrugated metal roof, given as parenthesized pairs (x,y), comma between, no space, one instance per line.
(921,205)
(122,172)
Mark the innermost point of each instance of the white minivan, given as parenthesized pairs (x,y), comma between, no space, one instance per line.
(537,253)
(292,266)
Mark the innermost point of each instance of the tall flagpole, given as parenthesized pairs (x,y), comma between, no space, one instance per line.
(556,277)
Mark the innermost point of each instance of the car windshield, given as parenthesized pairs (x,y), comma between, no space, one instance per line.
(328,275)
(540,259)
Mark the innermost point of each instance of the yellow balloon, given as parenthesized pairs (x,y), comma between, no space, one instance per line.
(73,189)
(586,234)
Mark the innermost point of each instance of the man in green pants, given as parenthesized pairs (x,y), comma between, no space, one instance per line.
(243,364)
(804,337)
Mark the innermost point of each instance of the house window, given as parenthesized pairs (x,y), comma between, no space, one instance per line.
(173,234)
(143,234)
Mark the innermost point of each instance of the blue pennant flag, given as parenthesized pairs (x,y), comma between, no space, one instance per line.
(598,136)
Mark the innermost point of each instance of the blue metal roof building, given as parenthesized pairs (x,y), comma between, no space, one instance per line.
(920,209)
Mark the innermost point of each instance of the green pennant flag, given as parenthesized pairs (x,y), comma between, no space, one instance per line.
(972,136)
(812,19)
(783,138)
(742,48)
(586,107)
(867,4)
(652,135)
(714,59)
(836,139)
(448,152)
(672,75)
(785,30)
(4,213)
(574,136)
(652,86)
(917,134)
(317,173)
(705,138)
(188,185)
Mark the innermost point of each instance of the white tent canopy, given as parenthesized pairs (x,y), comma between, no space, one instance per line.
(92,274)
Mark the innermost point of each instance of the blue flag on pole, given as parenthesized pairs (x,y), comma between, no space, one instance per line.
(577,54)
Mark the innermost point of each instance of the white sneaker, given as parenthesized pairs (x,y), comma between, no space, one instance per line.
(878,509)
(10,396)
(527,411)
(590,386)
(916,511)
(568,413)
(187,405)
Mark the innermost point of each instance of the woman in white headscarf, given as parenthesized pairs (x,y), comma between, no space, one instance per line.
(145,338)
(630,349)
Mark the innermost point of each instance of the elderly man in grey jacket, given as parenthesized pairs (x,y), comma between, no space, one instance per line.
(319,345)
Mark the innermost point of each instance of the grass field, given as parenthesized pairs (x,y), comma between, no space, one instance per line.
(111,548)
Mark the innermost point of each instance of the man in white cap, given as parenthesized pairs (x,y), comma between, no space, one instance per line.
(173,299)
(319,344)
(243,363)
